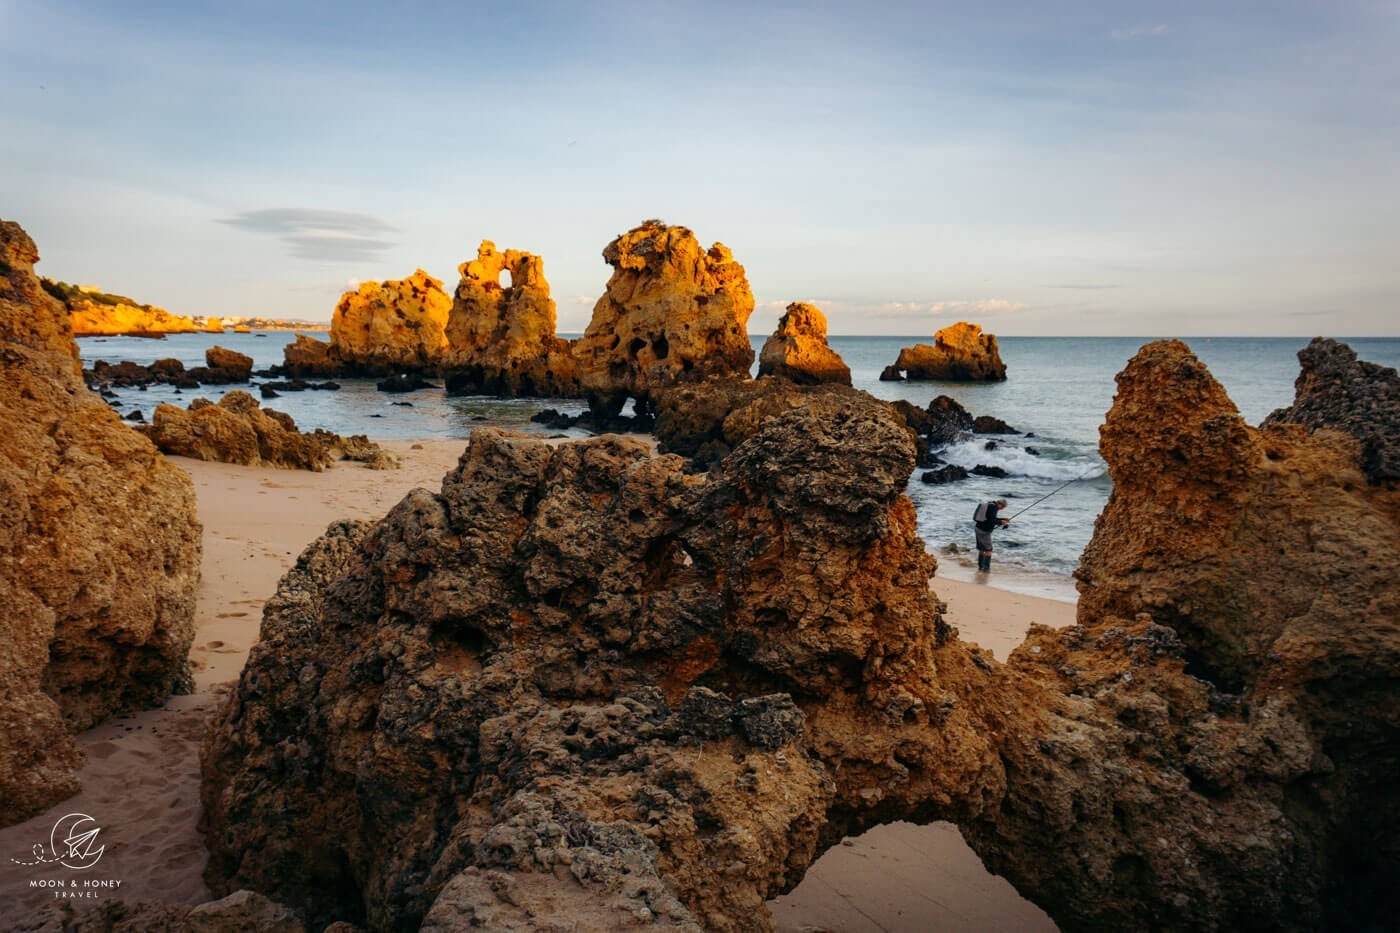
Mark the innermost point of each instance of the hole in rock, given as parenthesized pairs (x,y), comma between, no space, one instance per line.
(504,278)
(905,877)
(661,346)
(635,347)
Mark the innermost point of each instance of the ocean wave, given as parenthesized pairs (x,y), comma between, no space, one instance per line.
(1015,461)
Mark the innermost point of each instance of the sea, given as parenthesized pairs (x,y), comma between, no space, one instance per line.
(1057,392)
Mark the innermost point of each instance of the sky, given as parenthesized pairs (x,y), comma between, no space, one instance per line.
(1124,168)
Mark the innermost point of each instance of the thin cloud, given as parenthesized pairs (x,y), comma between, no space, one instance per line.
(965,308)
(313,233)
(1143,31)
(1086,288)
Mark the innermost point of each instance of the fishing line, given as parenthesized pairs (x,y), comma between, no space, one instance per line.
(1049,494)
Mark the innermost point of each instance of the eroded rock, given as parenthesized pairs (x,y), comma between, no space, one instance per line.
(501,338)
(381,328)
(959,353)
(99,550)
(239,430)
(1338,392)
(672,312)
(798,350)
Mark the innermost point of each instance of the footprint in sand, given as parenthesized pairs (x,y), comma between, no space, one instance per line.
(101,750)
(231,615)
(213,645)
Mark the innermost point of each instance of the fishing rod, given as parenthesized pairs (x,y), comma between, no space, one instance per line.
(1049,494)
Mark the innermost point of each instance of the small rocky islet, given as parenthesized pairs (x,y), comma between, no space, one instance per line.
(595,686)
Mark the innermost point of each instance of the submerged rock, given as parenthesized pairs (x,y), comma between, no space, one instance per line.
(99,551)
(948,473)
(501,339)
(798,349)
(1337,391)
(405,382)
(672,312)
(959,353)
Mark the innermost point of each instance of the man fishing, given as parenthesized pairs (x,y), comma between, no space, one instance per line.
(987,520)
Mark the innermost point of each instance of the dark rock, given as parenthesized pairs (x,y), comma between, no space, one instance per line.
(770,721)
(1336,390)
(1033,451)
(990,445)
(267,391)
(983,469)
(986,424)
(891,373)
(135,415)
(402,404)
(947,474)
(405,382)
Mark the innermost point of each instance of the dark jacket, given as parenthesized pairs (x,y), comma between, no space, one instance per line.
(986,516)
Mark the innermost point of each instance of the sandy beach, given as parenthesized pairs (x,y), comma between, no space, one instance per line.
(141,782)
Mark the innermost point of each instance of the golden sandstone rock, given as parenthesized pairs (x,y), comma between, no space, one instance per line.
(94,314)
(237,429)
(501,339)
(386,327)
(959,353)
(672,312)
(99,550)
(798,349)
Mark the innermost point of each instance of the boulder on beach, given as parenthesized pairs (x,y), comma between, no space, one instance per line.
(672,312)
(99,550)
(798,350)
(501,339)
(390,326)
(959,353)
(237,429)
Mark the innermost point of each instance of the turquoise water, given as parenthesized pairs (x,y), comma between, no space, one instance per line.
(1058,388)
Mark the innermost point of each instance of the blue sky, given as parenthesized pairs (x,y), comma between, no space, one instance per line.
(1070,168)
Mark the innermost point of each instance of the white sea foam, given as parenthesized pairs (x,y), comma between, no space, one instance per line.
(1017,462)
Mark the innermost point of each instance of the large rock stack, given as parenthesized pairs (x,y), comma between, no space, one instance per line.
(501,340)
(798,349)
(959,353)
(672,312)
(392,326)
(1223,734)
(99,550)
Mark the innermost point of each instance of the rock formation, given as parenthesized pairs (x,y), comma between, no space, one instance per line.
(584,684)
(223,366)
(99,550)
(672,312)
(239,430)
(1223,731)
(501,339)
(1338,392)
(307,356)
(707,420)
(798,349)
(390,326)
(959,353)
(94,313)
